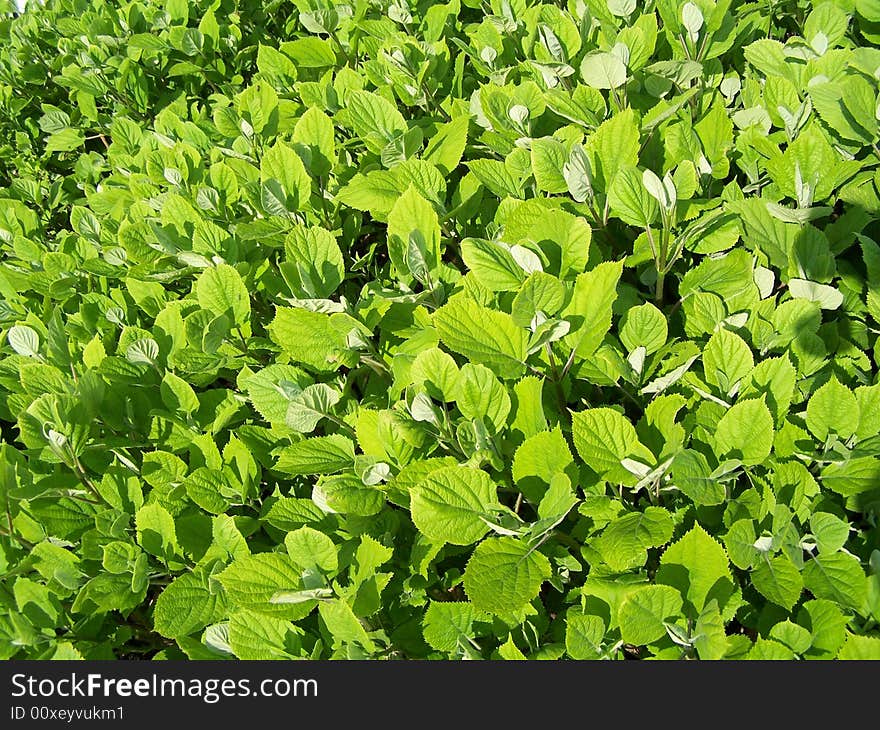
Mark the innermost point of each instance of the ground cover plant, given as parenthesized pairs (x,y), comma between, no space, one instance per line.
(396,330)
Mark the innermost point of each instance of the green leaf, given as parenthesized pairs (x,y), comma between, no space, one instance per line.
(270,390)
(795,637)
(314,131)
(831,532)
(220,290)
(24,340)
(835,104)
(483,335)
(727,360)
(186,605)
(251,581)
(497,178)
(853,476)
(310,52)
(693,476)
(481,395)
(374,119)
(710,639)
(615,145)
(644,612)
(697,566)
(319,455)
(414,235)
(347,494)
(310,338)
(437,371)
(448,626)
(745,432)
(65,140)
(827,625)
(260,637)
(769,650)
(309,548)
(313,262)
(446,147)
(492,264)
(630,200)
(860,647)
(837,577)
(775,379)
(209,489)
(310,406)
(504,574)
(626,540)
(288,513)
(826,296)
(156,531)
(280,165)
(548,158)
(583,635)
(451,504)
(343,625)
(740,543)
(538,459)
(644,326)
(869,10)
(564,240)
(833,409)
(589,310)
(603,439)
(178,395)
(778,580)
(510,651)
(272,64)
(603,71)
(540,292)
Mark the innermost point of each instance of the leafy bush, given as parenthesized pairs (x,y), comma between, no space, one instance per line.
(474,330)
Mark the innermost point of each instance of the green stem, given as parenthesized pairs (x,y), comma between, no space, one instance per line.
(341,48)
(650,234)
(569,362)
(86,481)
(658,288)
(557,379)
(322,189)
(342,424)
(432,101)
(614,98)
(591,204)
(566,539)
(20,540)
(9,519)
(243,340)
(661,265)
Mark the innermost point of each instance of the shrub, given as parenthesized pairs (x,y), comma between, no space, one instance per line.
(470,330)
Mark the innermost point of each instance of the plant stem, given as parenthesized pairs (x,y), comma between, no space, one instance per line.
(86,481)
(341,48)
(342,424)
(557,378)
(658,288)
(432,101)
(566,539)
(661,265)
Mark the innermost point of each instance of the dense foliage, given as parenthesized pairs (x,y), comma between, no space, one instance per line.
(469,330)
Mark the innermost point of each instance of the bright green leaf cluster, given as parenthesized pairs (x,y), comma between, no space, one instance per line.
(507,329)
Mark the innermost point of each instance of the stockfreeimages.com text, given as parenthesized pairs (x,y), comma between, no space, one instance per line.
(209,690)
